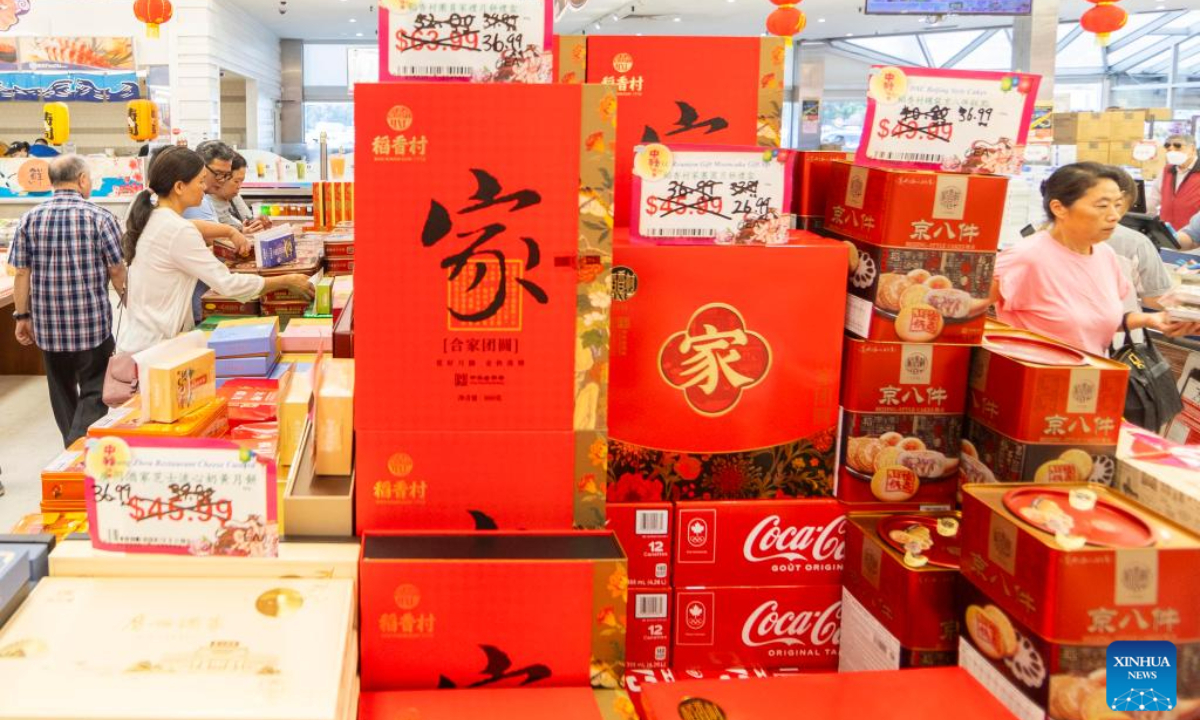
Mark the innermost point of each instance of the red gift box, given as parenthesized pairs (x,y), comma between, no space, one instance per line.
(813,171)
(459,610)
(252,400)
(990,456)
(899,458)
(645,533)
(759,543)
(637,680)
(648,629)
(775,627)
(508,704)
(918,378)
(343,332)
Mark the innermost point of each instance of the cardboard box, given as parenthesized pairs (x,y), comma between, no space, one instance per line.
(916,210)
(1127,126)
(810,187)
(323,560)
(248,366)
(339,248)
(285,310)
(452,610)
(323,299)
(1093,151)
(729,93)
(648,629)
(645,533)
(759,543)
(917,378)
(896,612)
(897,458)
(339,266)
(1160,475)
(990,456)
(244,338)
(1036,390)
(789,627)
(918,296)
(1135,565)
(63,478)
(528,704)
(210,420)
(307,335)
(1066,128)
(1159,114)
(178,385)
(298,404)
(708,372)
(1121,153)
(317,505)
(335,417)
(1095,127)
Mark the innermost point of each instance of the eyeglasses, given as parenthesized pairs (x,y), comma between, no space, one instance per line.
(220,175)
(1174,146)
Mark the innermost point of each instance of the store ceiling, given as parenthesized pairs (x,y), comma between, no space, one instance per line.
(352,20)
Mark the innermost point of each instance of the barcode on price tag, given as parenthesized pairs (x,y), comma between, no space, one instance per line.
(906,156)
(652,522)
(651,607)
(435,71)
(683,232)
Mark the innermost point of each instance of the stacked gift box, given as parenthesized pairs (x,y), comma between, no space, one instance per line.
(247,348)
(811,184)
(63,481)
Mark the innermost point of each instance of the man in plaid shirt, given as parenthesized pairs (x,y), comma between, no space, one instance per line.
(66,251)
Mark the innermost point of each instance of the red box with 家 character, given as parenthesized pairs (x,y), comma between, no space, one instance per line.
(813,170)
(645,533)
(1035,390)
(774,627)
(481,303)
(719,390)
(648,629)
(759,543)
(903,378)
(458,610)
(728,92)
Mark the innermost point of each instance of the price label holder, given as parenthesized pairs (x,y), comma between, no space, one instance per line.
(725,193)
(951,120)
(467,40)
(180,496)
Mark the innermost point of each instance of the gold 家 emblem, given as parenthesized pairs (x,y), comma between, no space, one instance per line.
(715,360)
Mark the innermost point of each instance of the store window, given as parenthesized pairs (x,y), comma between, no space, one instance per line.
(842,122)
(335,119)
(325,65)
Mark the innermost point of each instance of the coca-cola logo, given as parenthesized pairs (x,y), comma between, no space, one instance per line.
(697,532)
(696,615)
(768,625)
(771,540)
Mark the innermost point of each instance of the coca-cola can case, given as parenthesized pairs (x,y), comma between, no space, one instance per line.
(469,610)
(759,543)
(776,627)
(898,606)
(644,531)
(648,629)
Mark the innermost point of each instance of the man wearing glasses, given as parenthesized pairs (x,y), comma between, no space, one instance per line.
(1179,194)
(218,158)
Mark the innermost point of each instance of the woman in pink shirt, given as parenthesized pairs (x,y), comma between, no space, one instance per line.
(1065,282)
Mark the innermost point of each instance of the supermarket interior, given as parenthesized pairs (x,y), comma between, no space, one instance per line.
(599,359)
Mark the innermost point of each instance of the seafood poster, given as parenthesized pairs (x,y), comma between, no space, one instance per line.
(957,121)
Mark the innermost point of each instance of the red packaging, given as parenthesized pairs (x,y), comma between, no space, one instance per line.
(343,332)
(759,543)
(337,249)
(285,309)
(778,627)
(458,610)
(811,187)
(1129,583)
(1034,389)
(916,209)
(917,378)
(891,458)
(280,296)
(989,456)
(730,92)
(251,400)
(524,703)
(261,437)
(762,421)
(898,613)
(339,266)
(214,305)
(854,696)
(637,680)
(648,629)
(645,533)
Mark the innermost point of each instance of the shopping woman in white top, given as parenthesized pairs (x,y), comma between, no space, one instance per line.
(167,256)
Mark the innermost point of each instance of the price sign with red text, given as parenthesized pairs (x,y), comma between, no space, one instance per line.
(724,193)
(185,497)
(952,120)
(476,40)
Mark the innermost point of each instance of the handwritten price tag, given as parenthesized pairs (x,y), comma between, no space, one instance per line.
(197,497)
(729,194)
(480,40)
(951,120)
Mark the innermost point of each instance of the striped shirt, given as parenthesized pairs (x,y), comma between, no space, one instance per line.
(68,244)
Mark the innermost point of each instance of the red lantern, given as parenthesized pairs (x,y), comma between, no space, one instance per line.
(1103,19)
(786,21)
(153,13)
(782,3)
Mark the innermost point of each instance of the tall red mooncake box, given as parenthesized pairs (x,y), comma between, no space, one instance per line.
(898,605)
(648,629)
(577,703)
(917,378)
(728,92)
(773,627)
(990,456)
(899,458)
(719,390)
(645,533)
(464,610)
(1077,575)
(896,695)
(813,171)
(916,209)
(1034,389)
(759,543)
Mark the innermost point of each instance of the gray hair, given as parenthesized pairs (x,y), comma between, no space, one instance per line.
(67,169)
(211,150)
(1180,138)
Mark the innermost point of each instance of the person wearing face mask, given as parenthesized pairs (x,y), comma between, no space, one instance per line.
(1179,192)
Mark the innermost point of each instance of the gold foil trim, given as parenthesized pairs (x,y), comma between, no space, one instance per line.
(610,589)
(279,602)
(772,56)
(572,59)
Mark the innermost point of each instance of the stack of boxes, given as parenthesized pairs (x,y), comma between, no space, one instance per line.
(63,481)
(1104,137)
(246,348)
(811,180)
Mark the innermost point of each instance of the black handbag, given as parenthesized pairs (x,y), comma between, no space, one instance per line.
(1152,399)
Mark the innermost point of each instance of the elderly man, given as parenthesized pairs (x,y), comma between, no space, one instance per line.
(1178,197)
(66,252)
(230,208)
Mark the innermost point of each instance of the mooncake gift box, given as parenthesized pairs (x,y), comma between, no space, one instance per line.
(274,247)
(307,560)
(813,170)
(989,455)
(245,338)
(261,648)
(215,305)
(335,417)
(307,335)
(210,420)
(577,703)
(904,378)
(62,479)
(1160,474)
(179,383)
(250,366)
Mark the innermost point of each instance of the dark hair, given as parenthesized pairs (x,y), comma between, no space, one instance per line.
(237,163)
(211,150)
(167,167)
(1071,182)
(40,141)
(1126,182)
(19,146)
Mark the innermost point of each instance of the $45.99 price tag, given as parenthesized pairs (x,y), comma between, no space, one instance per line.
(197,497)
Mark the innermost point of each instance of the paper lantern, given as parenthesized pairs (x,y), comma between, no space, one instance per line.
(56,119)
(1103,20)
(142,118)
(153,13)
(786,21)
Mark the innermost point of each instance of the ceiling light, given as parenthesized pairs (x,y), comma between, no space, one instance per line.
(677,19)
(616,18)
(353,19)
(357,34)
(597,26)
(849,34)
(820,19)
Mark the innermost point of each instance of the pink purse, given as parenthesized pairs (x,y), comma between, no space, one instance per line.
(120,379)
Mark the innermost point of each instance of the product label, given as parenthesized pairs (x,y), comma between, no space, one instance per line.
(916,364)
(950,201)
(988,676)
(1085,390)
(866,644)
(1136,575)
(858,315)
(856,189)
